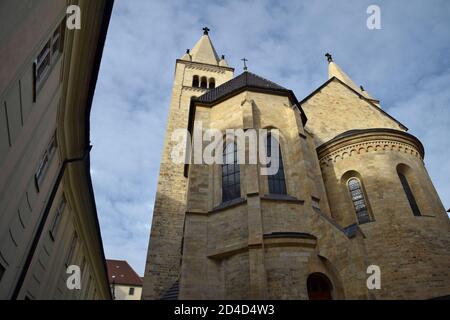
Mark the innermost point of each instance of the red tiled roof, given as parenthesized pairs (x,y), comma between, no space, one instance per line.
(123,273)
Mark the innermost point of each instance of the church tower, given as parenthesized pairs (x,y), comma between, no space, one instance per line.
(351,196)
(196,72)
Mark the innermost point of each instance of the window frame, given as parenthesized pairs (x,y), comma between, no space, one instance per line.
(363,199)
(57,218)
(280,177)
(409,194)
(45,160)
(131,291)
(47,57)
(231,187)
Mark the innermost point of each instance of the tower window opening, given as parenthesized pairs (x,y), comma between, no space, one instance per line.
(195,81)
(212,83)
(409,194)
(204,83)
(231,184)
(359,202)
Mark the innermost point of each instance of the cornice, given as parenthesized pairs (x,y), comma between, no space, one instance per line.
(354,142)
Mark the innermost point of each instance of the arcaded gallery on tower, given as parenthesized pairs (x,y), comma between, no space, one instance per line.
(351,192)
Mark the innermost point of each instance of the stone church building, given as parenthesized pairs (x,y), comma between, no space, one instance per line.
(352,195)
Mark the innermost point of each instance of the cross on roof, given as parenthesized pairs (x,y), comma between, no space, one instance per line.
(205,30)
(245,65)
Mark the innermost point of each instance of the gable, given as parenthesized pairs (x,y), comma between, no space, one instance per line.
(335,108)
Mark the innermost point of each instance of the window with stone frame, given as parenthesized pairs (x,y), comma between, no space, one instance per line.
(409,194)
(277,181)
(231,180)
(359,201)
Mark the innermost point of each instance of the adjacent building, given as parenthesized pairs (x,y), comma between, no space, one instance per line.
(48,218)
(125,283)
(351,195)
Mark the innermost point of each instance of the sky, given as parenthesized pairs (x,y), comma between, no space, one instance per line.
(405,64)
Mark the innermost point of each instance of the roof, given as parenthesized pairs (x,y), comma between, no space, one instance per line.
(244,80)
(123,273)
(369,101)
(204,51)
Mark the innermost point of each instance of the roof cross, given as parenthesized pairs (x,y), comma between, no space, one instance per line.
(205,30)
(245,64)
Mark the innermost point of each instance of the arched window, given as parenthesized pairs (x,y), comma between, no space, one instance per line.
(195,81)
(359,202)
(319,287)
(409,194)
(231,180)
(204,83)
(277,183)
(212,83)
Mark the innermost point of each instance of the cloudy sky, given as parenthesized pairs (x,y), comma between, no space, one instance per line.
(406,65)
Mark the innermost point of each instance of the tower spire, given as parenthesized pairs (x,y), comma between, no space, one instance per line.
(204,51)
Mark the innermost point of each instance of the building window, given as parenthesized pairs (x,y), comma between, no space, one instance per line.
(195,81)
(212,83)
(71,252)
(359,202)
(277,183)
(409,194)
(204,83)
(57,219)
(47,57)
(131,291)
(45,161)
(231,185)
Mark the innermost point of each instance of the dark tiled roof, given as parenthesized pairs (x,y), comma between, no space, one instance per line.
(246,79)
(123,273)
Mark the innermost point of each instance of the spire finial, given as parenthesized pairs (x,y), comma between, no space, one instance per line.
(329,57)
(205,30)
(245,64)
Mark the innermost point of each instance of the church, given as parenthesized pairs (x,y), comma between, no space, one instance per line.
(351,200)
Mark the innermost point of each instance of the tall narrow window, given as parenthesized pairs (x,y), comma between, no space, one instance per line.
(195,81)
(409,194)
(45,161)
(204,83)
(72,247)
(277,183)
(48,56)
(57,218)
(231,184)
(359,202)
